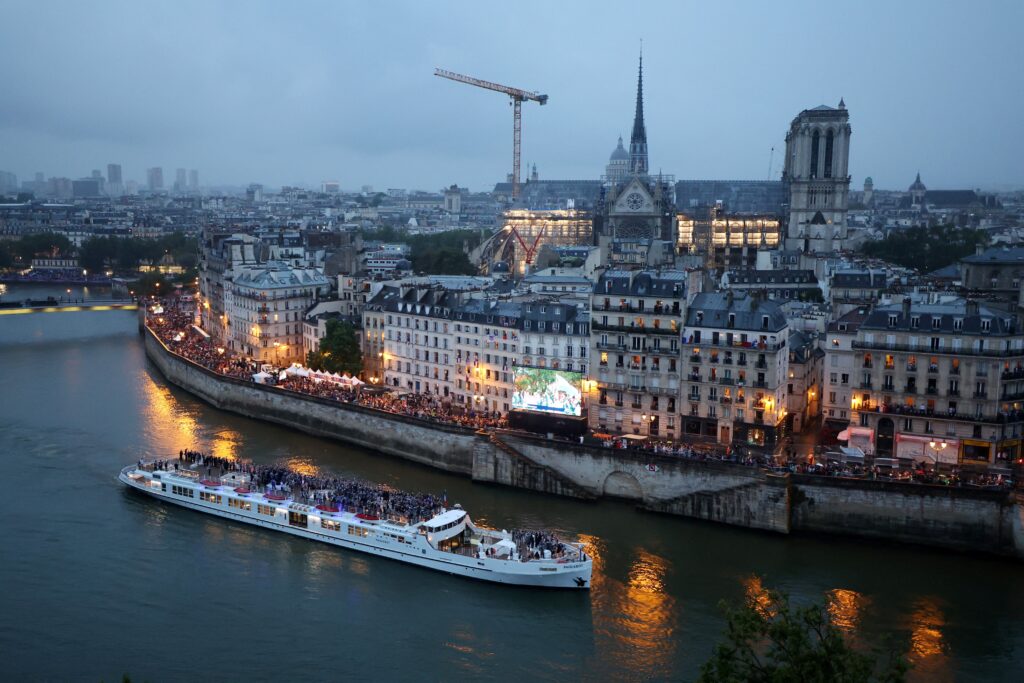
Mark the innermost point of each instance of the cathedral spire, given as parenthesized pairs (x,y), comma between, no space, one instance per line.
(638,140)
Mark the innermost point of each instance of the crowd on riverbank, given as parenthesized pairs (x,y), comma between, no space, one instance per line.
(174,326)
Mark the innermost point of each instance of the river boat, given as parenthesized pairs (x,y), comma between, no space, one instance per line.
(448,542)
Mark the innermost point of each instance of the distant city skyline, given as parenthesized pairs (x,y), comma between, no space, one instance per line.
(271,96)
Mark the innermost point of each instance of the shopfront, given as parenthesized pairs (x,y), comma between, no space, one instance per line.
(928,449)
(975,452)
(862,438)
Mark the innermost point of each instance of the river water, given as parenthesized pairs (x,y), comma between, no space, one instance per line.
(96,581)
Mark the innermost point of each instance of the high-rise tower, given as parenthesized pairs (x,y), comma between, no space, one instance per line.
(638,140)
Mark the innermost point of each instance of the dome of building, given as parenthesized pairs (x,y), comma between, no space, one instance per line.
(500,267)
(869,181)
(620,153)
(918,185)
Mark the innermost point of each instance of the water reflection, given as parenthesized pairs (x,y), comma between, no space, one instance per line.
(757,595)
(645,616)
(845,608)
(926,639)
(170,426)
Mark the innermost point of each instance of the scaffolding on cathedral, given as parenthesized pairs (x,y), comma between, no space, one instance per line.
(524,232)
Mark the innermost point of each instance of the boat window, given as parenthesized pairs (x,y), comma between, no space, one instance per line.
(358,531)
(330,524)
(265,510)
(298,519)
(210,497)
(183,491)
(239,503)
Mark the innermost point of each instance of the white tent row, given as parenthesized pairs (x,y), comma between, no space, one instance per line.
(321,376)
(262,377)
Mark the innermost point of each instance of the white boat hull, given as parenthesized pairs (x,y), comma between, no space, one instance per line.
(540,574)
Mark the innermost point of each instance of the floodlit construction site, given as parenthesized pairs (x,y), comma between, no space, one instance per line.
(524,232)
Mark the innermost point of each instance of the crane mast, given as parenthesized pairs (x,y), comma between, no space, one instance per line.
(517,97)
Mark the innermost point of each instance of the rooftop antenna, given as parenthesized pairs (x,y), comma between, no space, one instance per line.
(771,160)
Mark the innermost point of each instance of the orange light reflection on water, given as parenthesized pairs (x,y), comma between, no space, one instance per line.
(171,426)
(845,608)
(645,617)
(926,622)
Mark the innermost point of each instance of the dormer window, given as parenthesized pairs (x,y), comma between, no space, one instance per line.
(764,322)
(958,323)
(892,320)
(986,325)
(936,323)
(915,321)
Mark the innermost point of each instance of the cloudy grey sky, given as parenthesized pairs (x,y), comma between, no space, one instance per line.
(299,92)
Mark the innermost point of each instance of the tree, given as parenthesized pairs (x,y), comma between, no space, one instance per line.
(152,283)
(769,641)
(339,350)
(926,249)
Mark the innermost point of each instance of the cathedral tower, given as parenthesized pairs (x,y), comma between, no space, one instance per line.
(816,170)
(638,140)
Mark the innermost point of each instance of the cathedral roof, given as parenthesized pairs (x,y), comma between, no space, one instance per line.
(918,185)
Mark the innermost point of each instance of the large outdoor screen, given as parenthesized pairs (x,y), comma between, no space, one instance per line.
(548,391)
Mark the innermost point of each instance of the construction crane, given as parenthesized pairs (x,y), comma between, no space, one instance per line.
(518,97)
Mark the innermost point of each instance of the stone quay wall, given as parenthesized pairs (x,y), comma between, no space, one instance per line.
(954,518)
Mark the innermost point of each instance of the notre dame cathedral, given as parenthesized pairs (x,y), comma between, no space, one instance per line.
(633,203)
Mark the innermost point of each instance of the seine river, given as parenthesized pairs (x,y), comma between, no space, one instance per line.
(96,581)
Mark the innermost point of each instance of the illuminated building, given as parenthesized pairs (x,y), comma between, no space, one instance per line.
(937,382)
(266,309)
(726,240)
(635,323)
(464,346)
(735,369)
(524,232)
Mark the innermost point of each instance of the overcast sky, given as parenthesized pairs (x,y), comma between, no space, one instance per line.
(300,92)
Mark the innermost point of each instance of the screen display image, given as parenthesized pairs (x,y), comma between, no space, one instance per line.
(548,391)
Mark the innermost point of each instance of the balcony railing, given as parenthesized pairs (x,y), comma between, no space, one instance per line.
(919,348)
(1002,417)
(1013,373)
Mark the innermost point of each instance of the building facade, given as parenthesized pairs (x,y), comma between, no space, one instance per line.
(736,365)
(816,170)
(937,382)
(635,365)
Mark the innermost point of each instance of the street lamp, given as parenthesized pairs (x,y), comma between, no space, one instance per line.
(936,449)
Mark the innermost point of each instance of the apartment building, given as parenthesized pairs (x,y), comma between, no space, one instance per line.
(804,381)
(464,346)
(635,323)
(736,363)
(266,305)
(838,377)
(937,382)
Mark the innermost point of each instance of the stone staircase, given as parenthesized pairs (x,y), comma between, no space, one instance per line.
(496,461)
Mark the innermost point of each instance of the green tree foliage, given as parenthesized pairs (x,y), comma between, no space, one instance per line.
(769,641)
(23,250)
(339,350)
(96,253)
(926,249)
(435,254)
(152,284)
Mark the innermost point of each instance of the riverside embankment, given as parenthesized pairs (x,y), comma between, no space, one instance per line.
(963,519)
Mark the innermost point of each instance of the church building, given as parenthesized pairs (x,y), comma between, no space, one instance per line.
(635,204)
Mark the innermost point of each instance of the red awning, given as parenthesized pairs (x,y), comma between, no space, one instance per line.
(210,482)
(371,518)
(327,508)
(241,489)
(275,496)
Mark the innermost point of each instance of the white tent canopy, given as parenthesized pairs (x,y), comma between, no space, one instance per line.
(261,377)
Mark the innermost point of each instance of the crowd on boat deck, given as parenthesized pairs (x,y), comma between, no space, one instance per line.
(348,495)
(532,544)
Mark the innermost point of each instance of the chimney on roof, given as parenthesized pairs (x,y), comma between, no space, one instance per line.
(906,307)
(979,250)
(971,307)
